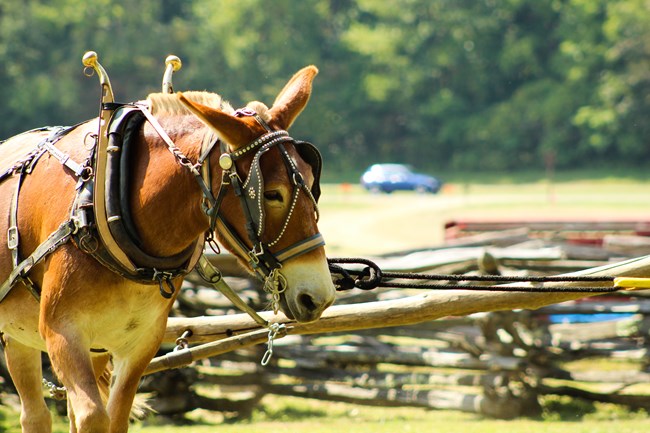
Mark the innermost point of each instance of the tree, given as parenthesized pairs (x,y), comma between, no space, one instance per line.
(463,85)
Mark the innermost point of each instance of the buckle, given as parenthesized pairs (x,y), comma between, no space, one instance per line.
(164,279)
(12,237)
(161,275)
(254,256)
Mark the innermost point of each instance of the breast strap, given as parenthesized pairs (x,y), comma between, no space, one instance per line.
(21,268)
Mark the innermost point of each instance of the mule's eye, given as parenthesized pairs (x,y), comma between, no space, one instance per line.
(273,195)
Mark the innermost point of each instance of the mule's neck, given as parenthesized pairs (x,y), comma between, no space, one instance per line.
(165,198)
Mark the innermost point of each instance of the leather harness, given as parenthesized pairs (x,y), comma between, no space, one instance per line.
(120,249)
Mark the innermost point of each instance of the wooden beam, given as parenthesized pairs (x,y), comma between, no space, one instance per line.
(430,305)
(184,357)
(505,407)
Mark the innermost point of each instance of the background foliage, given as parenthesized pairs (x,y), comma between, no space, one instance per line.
(441,84)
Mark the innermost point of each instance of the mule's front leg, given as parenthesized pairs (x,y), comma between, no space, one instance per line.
(126,378)
(72,364)
(122,397)
(24,364)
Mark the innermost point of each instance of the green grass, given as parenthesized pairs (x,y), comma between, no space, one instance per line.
(288,414)
(294,414)
(506,177)
(355,222)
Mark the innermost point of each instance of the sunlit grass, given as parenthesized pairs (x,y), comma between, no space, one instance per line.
(302,415)
(355,222)
(288,414)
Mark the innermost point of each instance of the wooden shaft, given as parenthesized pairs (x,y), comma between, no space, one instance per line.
(423,307)
(185,357)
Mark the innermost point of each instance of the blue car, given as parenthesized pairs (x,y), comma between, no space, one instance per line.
(398,177)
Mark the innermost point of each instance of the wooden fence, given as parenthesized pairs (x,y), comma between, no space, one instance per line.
(497,364)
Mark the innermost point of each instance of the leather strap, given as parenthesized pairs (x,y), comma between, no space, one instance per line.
(64,159)
(55,240)
(13,237)
(213,277)
(300,248)
(21,269)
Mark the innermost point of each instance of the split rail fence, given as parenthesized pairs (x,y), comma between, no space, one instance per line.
(498,364)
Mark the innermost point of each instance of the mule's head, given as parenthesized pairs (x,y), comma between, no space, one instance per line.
(285,214)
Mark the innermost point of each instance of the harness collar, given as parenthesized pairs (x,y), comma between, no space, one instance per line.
(258,254)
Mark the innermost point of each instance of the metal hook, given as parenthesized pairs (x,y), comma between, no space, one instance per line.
(182,342)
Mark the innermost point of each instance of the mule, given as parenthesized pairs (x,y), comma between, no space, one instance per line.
(88,314)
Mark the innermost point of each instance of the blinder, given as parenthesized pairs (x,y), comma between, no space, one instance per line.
(253,186)
(250,191)
(253,193)
(311,155)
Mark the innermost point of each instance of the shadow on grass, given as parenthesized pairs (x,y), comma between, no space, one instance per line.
(558,408)
(292,413)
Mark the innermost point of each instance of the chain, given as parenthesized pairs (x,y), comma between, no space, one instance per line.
(175,151)
(275,284)
(56,392)
(274,329)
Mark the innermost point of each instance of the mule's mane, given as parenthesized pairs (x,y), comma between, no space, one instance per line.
(165,103)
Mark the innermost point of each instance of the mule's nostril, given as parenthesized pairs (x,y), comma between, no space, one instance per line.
(307,302)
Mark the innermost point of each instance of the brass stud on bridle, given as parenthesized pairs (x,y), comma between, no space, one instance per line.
(225,161)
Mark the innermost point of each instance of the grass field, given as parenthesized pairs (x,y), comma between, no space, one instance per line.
(295,415)
(286,414)
(354,222)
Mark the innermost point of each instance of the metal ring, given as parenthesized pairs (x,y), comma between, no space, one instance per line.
(87,145)
(298,180)
(87,173)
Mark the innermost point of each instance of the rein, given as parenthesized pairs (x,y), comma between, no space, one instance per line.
(371,276)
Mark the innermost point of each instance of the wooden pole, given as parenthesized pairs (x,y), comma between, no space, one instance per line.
(184,357)
(430,305)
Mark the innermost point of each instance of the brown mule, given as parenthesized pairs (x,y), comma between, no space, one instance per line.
(88,313)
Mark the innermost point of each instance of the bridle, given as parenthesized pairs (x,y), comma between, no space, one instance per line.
(250,192)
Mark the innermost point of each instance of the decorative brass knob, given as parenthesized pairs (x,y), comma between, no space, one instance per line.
(174,61)
(91,64)
(225,161)
(89,59)
(172,64)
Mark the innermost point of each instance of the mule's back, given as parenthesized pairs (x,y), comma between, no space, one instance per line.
(19,146)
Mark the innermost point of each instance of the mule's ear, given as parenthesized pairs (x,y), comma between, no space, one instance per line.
(293,98)
(233,130)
